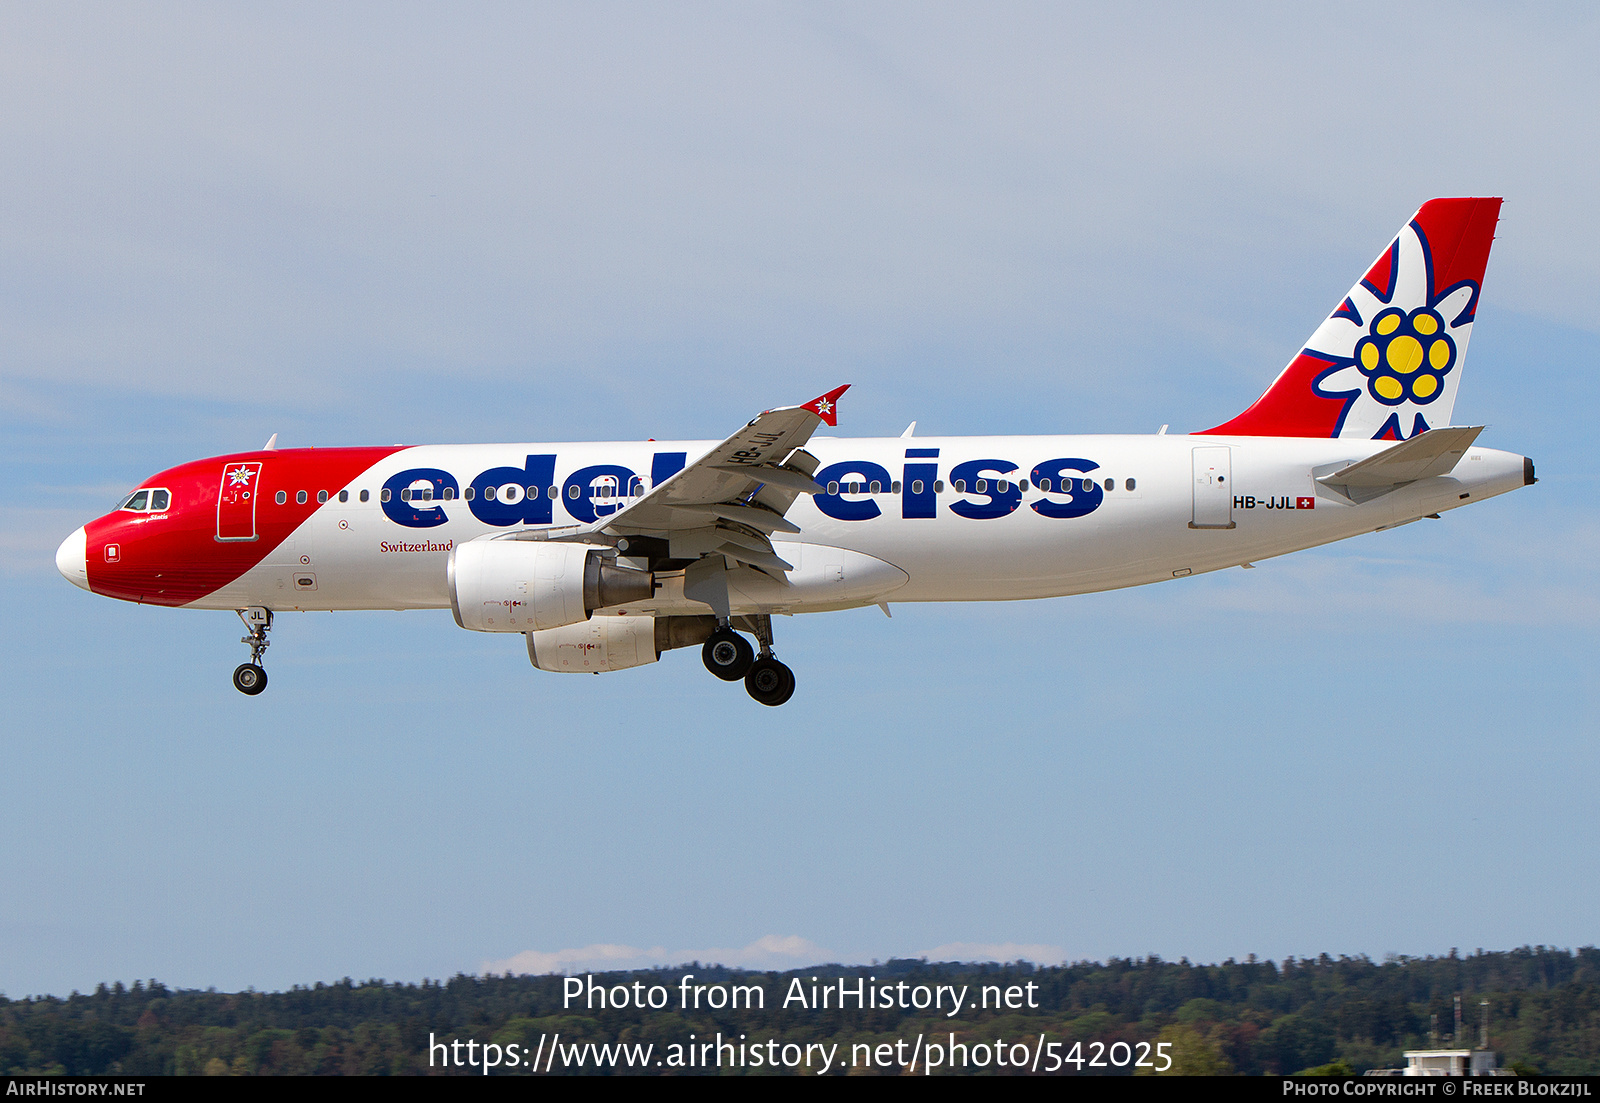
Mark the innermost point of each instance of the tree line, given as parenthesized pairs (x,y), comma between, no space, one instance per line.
(1246,1017)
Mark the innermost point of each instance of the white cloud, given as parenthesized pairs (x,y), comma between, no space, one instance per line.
(1038,953)
(767,952)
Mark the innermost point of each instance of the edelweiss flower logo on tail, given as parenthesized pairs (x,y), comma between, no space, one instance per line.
(1406,356)
(1394,344)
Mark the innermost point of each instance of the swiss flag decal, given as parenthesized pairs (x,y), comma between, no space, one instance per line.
(1305,503)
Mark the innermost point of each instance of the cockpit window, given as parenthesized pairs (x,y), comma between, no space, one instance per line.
(147,501)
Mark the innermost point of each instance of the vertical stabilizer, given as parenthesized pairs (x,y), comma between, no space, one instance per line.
(1387,362)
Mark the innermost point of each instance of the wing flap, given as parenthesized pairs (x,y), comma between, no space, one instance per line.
(786,477)
(755,517)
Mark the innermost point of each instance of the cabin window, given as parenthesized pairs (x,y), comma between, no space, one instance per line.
(980,486)
(322,497)
(572,492)
(299,497)
(960,486)
(938,486)
(1044,485)
(384,495)
(833,487)
(1111,484)
(344,495)
(281,497)
(1129,484)
(916,486)
(363,495)
(138,501)
(405,495)
(877,487)
(1002,486)
(468,494)
(449,493)
(160,499)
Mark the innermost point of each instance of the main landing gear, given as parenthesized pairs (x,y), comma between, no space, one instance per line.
(730,657)
(250,678)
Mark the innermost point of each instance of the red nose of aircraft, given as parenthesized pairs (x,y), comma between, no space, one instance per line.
(72,558)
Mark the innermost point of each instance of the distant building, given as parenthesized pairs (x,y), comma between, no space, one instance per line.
(1447,1062)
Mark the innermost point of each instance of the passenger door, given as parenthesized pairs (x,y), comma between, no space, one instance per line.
(236,502)
(1213,489)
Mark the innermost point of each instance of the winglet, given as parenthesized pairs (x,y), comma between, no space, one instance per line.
(827,406)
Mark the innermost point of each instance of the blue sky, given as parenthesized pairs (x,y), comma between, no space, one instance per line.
(615,221)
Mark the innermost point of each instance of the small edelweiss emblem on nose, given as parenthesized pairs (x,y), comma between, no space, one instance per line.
(1405,357)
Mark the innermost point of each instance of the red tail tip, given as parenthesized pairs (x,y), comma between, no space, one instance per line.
(827,406)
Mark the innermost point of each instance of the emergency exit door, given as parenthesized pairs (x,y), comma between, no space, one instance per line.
(1213,489)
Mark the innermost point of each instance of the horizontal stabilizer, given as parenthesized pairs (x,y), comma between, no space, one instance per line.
(1435,452)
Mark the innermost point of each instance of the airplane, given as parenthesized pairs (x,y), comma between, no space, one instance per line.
(603,556)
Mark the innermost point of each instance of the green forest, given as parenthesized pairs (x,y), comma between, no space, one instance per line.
(1238,1017)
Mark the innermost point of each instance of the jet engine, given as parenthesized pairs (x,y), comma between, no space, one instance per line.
(527,586)
(614,643)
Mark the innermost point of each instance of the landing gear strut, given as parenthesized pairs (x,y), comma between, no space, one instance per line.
(250,678)
(767,680)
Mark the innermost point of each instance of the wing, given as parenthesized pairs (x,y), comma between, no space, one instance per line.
(728,502)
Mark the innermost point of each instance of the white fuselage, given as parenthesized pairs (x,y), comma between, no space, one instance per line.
(1254,497)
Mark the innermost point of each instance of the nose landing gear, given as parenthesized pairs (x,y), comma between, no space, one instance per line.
(250,678)
(730,657)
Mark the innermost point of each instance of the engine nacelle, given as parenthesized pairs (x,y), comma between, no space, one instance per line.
(614,643)
(527,585)
(603,643)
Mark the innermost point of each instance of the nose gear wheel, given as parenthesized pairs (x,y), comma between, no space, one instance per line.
(249,679)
